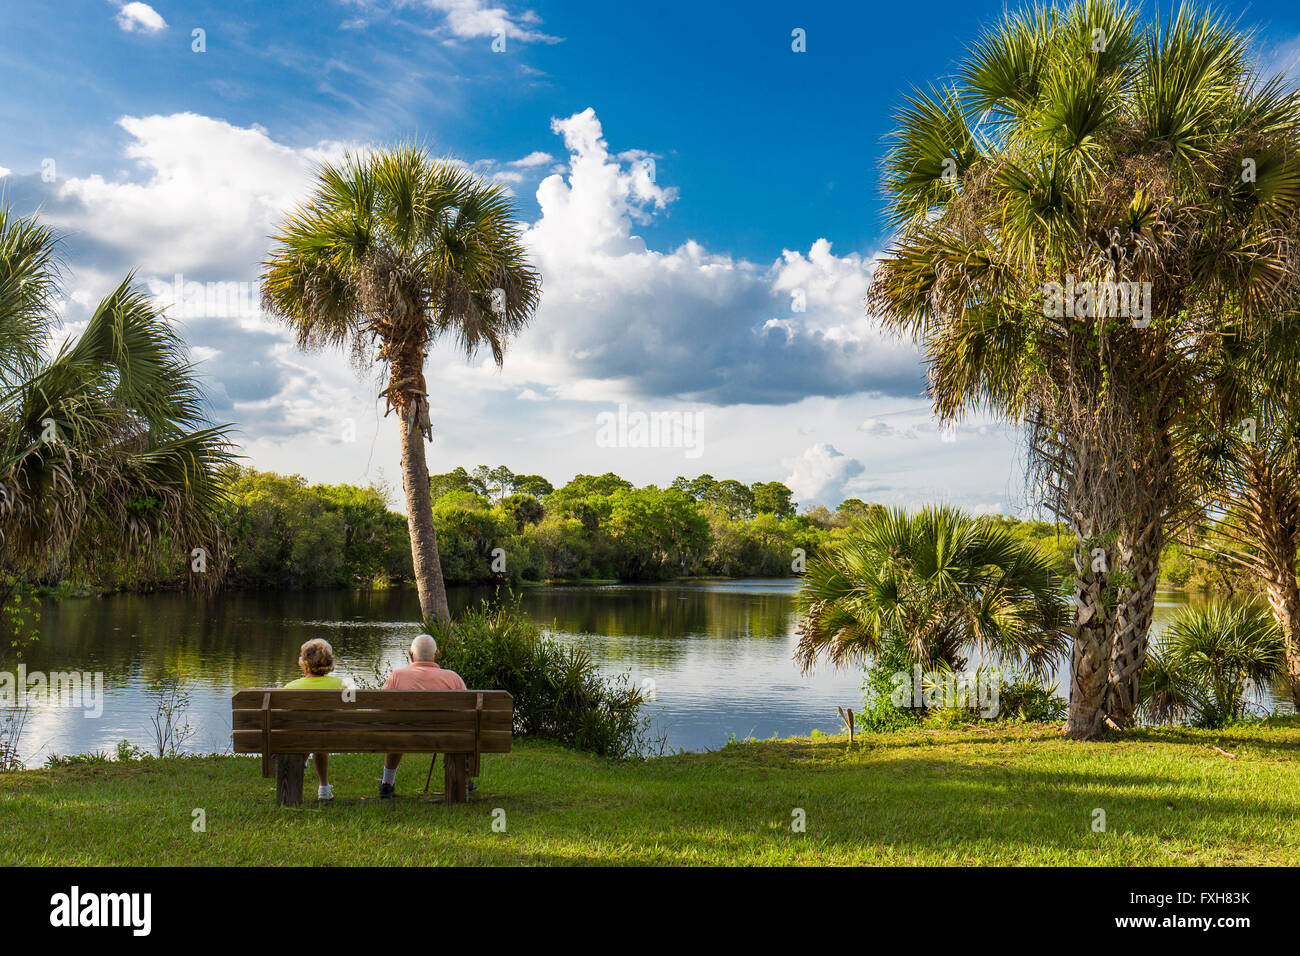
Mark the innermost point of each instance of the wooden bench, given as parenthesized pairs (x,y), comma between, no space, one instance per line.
(286,725)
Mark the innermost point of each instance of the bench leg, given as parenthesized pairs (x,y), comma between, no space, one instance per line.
(455,778)
(288,779)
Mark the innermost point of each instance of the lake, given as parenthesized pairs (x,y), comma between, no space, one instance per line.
(719,654)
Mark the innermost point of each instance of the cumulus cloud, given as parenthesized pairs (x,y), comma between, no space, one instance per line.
(140,18)
(208,195)
(690,323)
(821,474)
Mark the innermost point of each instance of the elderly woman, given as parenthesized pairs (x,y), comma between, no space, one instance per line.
(316,660)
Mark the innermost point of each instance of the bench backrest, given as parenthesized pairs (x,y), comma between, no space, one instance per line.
(277,721)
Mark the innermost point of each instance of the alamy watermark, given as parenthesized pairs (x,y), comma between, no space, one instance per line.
(200,300)
(1128,300)
(637,429)
(65,690)
(979,691)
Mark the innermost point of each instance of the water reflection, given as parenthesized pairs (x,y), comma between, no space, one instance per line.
(719,654)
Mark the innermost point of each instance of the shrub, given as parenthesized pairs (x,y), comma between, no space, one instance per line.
(559,693)
(1204,663)
(1020,697)
(879,712)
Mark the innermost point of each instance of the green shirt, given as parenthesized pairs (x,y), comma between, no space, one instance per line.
(326,682)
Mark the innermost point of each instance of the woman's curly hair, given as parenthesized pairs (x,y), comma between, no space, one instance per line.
(318,657)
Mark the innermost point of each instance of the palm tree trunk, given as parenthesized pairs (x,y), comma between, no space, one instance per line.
(1270,505)
(1139,556)
(406,390)
(1090,657)
(1284,597)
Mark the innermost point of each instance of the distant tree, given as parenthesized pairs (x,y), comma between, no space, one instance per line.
(606,484)
(524,509)
(772,497)
(496,482)
(821,516)
(660,532)
(456,480)
(587,498)
(700,488)
(853,510)
(534,485)
(733,497)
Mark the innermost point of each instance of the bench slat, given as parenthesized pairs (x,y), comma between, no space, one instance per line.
(343,741)
(422,720)
(372,699)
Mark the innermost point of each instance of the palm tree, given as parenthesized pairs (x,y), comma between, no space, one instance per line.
(104,448)
(392,253)
(1258,454)
(1206,661)
(1078,146)
(937,582)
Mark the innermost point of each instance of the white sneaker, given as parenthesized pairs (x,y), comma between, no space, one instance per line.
(325,792)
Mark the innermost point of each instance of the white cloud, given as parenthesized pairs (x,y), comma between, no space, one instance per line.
(140,18)
(536,158)
(210,195)
(875,428)
(821,474)
(4,172)
(479,18)
(690,323)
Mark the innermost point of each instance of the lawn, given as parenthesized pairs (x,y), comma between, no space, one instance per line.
(988,795)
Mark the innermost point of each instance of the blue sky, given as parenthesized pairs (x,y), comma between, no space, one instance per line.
(686,176)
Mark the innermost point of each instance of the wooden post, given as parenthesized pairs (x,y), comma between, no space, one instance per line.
(288,779)
(455,780)
(266,735)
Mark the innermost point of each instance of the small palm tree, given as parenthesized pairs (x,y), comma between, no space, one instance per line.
(104,448)
(937,582)
(394,252)
(1207,660)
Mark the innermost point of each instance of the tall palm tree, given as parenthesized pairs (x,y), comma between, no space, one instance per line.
(937,582)
(104,448)
(1078,145)
(392,253)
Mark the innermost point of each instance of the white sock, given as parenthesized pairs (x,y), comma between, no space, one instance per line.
(325,792)
(390,776)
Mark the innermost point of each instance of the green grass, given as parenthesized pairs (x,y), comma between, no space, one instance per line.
(987,795)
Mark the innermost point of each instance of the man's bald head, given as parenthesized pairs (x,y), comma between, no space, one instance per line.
(424,648)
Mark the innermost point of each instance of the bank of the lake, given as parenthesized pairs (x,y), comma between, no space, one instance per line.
(981,796)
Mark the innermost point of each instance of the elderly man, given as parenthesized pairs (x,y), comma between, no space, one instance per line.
(423,674)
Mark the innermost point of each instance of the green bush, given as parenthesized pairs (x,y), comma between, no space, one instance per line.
(559,693)
(879,712)
(1202,667)
(1020,697)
